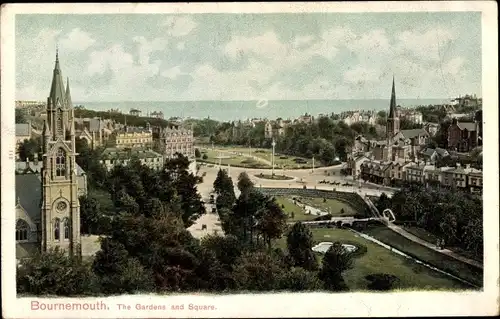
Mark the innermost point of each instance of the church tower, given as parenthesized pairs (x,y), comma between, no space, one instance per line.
(60,204)
(393,118)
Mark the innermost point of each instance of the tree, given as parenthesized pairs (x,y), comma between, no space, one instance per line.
(90,215)
(28,149)
(271,221)
(119,273)
(335,262)
(244,183)
(197,153)
(299,242)
(55,273)
(227,249)
(258,271)
(382,282)
(164,247)
(299,279)
(224,188)
(20,116)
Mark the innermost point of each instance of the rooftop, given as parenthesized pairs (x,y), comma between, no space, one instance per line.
(29,194)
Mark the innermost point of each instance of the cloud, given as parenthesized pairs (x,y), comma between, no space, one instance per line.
(360,75)
(430,44)
(76,40)
(180,46)
(179,26)
(172,73)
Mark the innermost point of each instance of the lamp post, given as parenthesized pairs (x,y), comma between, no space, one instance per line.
(272,158)
(313,166)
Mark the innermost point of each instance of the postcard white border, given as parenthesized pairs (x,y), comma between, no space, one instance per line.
(266,305)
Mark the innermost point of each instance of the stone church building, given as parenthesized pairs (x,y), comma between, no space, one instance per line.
(47,208)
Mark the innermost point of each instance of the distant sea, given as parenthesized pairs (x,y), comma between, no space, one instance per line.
(242,110)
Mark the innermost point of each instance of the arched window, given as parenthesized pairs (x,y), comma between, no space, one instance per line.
(22,229)
(60,163)
(66,228)
(57,229)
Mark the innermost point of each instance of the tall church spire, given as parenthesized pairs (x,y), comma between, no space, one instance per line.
(57,91)
(392,110)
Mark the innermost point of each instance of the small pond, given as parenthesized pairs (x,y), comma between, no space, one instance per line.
(324,246)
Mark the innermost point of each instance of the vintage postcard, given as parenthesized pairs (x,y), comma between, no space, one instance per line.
(249,160)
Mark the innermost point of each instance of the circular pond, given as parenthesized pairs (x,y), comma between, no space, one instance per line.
(324,246)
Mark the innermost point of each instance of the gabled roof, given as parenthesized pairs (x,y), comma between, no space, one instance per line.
(29,194)
(414,133)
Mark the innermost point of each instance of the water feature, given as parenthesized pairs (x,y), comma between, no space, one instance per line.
(324,246)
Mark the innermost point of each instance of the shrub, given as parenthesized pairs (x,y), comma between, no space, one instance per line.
(382,282)
(323,217)
(204,156)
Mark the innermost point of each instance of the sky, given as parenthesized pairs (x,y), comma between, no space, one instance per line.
(286,56)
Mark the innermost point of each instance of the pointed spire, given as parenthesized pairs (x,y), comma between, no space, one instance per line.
(392,110)
(68,94)
(57,91)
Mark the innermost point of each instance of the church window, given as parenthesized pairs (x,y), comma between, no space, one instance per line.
(60,163)
(57,229)
(66,228)
(22,229)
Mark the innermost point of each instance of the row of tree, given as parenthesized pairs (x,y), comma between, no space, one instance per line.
(148,248)
(456,217)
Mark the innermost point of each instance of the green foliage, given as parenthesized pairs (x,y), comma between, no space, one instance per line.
(119,273)
(20,116)
(271,221)
(90,216)
(28,149)
(88,159)
(197,153)
(382,282)
(299,242)
(299,279)
(452,215)
(244,183)
(335,262)
(258,271)
(138,189)
(55,273)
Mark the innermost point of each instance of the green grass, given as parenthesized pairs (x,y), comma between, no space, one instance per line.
(422,233)
(266,154)
(232,159)
(427,255)
(332,206)
(275,177)
(377,259)
(290,207)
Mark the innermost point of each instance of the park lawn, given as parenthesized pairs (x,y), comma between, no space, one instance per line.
(378,259)
(449,264)
(299,213)
(332,206)
(233,159)
(266,154)
(422,233)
